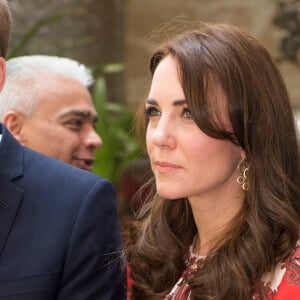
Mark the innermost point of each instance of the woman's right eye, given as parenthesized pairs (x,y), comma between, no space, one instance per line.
(152,111)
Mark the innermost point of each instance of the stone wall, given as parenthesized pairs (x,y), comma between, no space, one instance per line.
(146,17)
(91,31)
(106,31)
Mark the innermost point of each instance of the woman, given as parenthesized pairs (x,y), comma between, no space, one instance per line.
(223,218)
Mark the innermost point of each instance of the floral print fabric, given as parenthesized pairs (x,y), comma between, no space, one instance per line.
(282,284)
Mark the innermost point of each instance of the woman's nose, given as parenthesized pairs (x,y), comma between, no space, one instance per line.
(164,134)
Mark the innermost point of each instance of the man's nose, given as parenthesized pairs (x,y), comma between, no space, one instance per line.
(93,139)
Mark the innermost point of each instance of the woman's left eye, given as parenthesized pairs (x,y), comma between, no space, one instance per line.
(187,113)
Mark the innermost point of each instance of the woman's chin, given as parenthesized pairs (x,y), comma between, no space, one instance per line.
(169,195)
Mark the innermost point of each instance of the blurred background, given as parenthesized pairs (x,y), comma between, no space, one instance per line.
(116,39)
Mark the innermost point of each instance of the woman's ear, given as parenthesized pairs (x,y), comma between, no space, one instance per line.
(242,154)
(14,122)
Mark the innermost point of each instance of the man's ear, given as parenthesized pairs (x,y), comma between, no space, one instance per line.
(2,72)
(14,122)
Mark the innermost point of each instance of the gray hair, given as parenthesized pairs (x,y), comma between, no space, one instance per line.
(22,74)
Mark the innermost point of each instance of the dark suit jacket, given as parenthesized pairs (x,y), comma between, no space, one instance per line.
(59,234)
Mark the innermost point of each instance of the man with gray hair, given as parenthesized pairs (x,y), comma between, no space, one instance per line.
(59,232)
(46,105)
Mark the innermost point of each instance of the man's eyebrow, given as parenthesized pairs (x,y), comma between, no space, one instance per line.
(175,103)
(79,113)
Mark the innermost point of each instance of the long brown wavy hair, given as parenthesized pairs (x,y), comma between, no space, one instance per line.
(266,230)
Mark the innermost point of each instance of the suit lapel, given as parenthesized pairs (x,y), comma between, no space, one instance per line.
(11,198)
(11,167)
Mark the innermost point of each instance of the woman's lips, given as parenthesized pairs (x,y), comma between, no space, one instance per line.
(166,167)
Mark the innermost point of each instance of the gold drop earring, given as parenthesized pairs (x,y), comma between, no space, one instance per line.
(242,179)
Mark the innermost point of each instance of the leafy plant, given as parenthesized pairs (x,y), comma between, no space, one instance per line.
(114,126)
(288,18)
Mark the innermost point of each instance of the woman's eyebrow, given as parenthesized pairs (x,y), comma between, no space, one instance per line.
(179,102)
(175,103)
(151,101)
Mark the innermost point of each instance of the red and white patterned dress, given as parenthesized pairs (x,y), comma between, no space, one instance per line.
(282,284)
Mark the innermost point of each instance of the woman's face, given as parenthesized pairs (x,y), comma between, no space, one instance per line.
(186,162)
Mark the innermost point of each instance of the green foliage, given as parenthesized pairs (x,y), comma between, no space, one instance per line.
(288,18)
(115,128)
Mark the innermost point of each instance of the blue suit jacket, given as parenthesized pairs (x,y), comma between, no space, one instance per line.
(59,234)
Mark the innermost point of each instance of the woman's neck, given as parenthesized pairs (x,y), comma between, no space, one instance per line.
(212,216)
